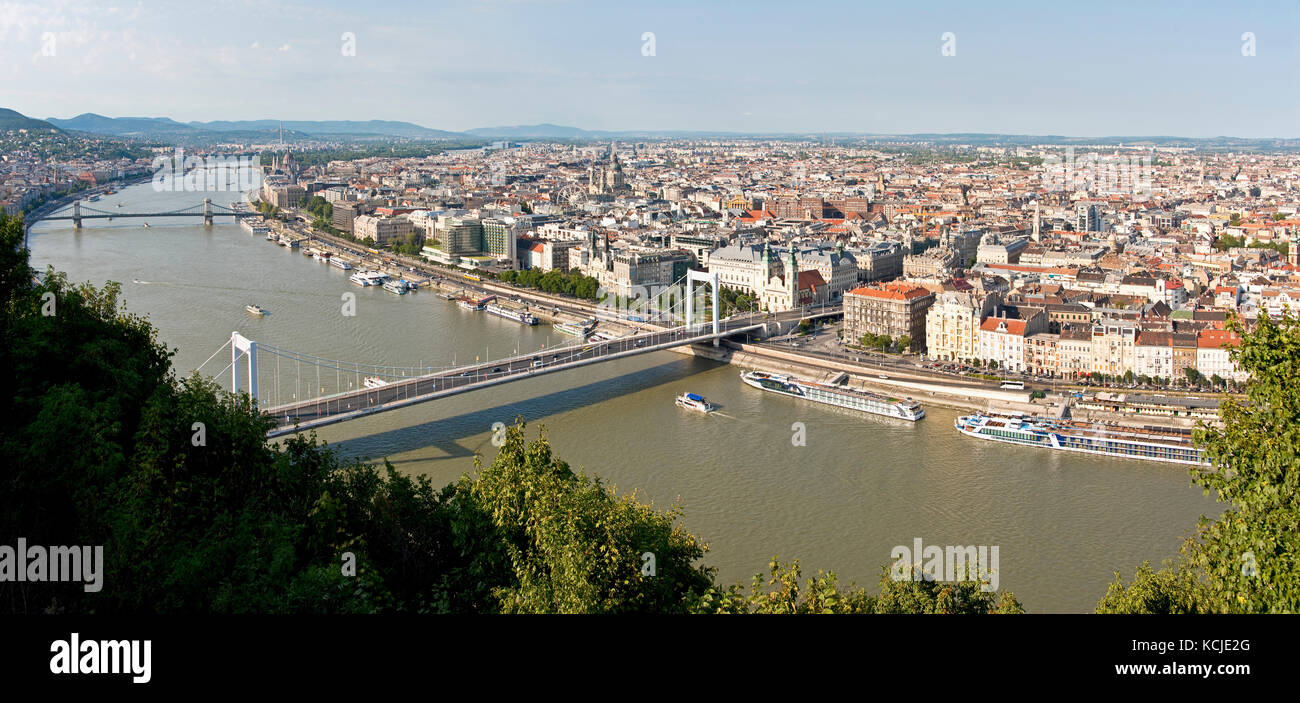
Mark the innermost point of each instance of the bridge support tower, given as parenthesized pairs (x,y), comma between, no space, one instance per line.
(693,276)
(240,343)
(207,212)
(76,214)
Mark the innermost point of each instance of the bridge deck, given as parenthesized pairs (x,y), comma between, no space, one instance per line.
(398,394)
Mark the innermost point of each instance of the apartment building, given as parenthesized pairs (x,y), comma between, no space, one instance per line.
(1042,354)
(1074,351)
(1113,343)
(1212,354)
(1003,339)
(952,324)
(1153,354)
(893,309)
(383,230)
(882,261)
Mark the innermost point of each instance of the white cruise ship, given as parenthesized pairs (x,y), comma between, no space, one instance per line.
(840,396)
(338,263)
(1150,444)
(369,278)
(516,315)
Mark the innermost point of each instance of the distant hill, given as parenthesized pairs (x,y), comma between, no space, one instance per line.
(123,126)
(532,131)
(10,119)
(387,128)
(167,128)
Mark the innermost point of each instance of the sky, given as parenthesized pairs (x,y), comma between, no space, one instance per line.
(1079,68)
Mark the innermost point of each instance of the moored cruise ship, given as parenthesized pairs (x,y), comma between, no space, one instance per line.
(1148,444)
(368,278)
(338,263)
(840,396)
(509,314)
(573,328)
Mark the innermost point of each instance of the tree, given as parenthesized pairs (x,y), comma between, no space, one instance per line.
(783,593)
(1248,560)
(905,342)
(561,542)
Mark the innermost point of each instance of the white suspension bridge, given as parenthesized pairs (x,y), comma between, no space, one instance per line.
(302,391)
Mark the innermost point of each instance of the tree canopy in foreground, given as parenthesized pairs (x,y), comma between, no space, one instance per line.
(1246,560)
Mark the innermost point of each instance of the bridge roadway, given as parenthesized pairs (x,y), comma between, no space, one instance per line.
(149,214)
(326,410)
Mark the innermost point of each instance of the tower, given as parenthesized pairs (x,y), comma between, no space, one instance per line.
(1293,249)
(1037,235)
(792,278)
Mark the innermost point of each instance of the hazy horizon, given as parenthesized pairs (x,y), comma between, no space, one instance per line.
(1106,69)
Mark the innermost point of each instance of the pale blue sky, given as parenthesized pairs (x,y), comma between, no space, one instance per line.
(1086,69)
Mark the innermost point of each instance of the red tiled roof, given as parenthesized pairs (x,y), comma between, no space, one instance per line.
(891,291)
(1016,327)
(1216,339)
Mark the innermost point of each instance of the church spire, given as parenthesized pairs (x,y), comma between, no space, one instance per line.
(792,278)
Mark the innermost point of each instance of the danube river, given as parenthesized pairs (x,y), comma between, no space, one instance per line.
(860,485)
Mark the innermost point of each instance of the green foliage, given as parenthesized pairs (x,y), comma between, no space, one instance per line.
(569,544)
(782,593)
(268,210)
(318,206)
(410,246)
(883,342)
(732,301)
(1225,242)
(572,284)
(1248,560)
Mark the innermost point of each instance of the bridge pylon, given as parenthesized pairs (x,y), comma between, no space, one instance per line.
(207,212)
(692,276)
(240,343)
(76,214)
